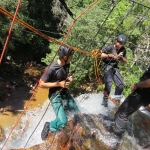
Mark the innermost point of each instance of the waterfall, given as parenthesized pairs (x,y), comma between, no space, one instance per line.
(28,131)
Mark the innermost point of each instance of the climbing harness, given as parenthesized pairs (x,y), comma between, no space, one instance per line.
(118,24)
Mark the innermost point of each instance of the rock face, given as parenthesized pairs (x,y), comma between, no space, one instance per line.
(87,132)
(75,136)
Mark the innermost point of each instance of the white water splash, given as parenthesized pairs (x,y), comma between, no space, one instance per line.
(28,132)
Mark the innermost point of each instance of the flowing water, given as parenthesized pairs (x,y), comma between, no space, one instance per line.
(28,132)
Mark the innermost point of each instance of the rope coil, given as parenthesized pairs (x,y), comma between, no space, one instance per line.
(95,53)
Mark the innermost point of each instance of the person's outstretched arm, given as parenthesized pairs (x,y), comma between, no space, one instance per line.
(142,84)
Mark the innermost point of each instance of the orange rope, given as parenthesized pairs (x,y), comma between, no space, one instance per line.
(40,33)
(49,38)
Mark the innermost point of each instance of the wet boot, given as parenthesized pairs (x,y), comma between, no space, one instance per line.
(45,131)
(111,129)
(105,102)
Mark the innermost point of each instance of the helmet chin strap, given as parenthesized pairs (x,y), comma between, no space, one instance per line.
(67,57)
(65,60)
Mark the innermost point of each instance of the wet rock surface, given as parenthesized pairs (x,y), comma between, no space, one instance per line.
(87,132)
(76,135)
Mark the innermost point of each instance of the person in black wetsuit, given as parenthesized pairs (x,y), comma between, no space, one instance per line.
(140,96)
(57,79)
(111,56)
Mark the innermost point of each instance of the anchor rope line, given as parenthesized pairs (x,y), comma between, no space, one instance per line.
(125,16)
(42,34)
(10,30)
(140,4)
(37,124)
(4,23)
(49,38)
(139,22)
(133,4)
(107,18)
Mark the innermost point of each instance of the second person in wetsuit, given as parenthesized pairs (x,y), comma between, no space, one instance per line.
(58,79)
(111,56)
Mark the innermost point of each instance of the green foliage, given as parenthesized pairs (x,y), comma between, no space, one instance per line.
(49,56)
(130,73)
(38,14)
(93,30)
(97,28)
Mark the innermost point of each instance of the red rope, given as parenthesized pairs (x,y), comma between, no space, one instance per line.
(46,70)
(10,30)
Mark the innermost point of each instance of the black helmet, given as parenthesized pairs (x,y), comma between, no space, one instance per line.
(121,38)
(65,51)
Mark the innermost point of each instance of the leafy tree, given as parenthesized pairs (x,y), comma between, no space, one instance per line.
(45,16)
(100,26)
(97,28)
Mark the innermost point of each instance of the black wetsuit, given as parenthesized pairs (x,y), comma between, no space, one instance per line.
(55,73)
(111,72)
(140,97)
(59,96)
